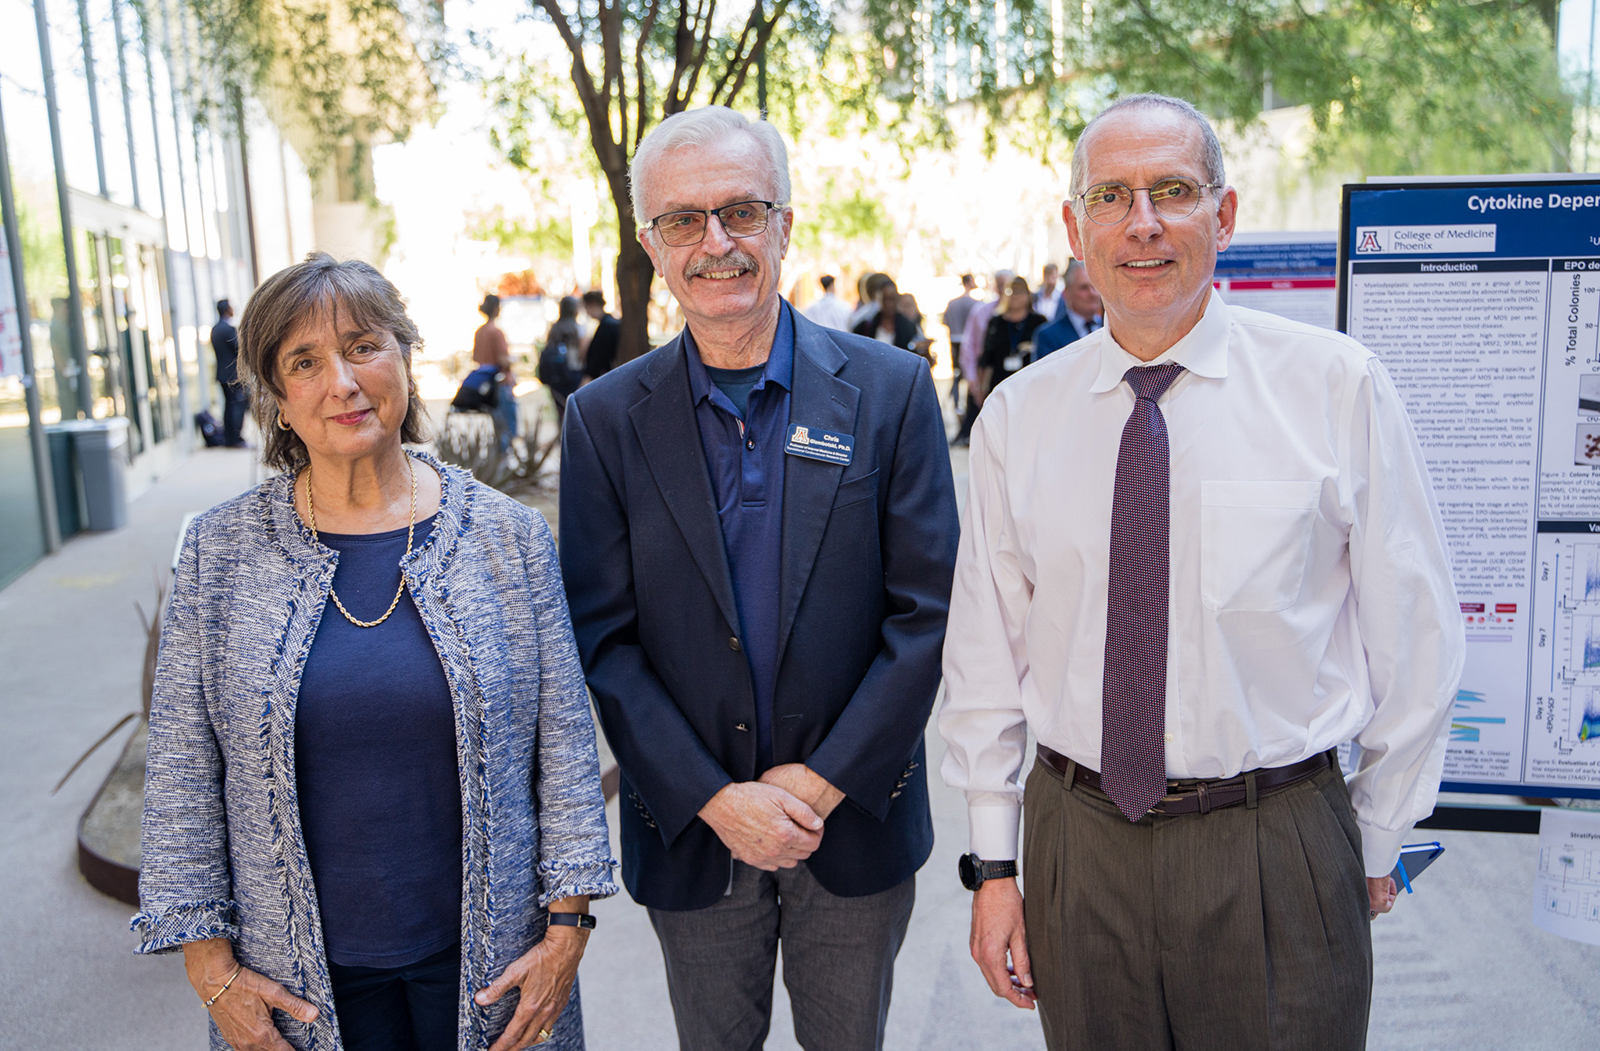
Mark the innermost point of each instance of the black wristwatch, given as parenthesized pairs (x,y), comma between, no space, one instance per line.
(581,920)
(974,870)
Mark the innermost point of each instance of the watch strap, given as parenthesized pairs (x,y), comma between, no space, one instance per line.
(581,920)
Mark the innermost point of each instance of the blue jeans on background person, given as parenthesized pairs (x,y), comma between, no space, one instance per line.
(506,411)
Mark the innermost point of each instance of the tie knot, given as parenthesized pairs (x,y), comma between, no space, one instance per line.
(1152,382)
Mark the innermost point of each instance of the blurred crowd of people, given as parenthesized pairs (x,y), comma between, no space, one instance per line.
(990,340)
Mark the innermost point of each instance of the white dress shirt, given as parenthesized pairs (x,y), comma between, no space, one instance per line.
(830,312)
(1048,303)
(1311,600)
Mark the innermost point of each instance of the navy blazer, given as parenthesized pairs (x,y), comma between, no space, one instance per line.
(1059,333)
(868,554)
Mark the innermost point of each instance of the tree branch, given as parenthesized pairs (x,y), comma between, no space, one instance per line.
(699,61)
(599,116)
(641,92)
(762,35)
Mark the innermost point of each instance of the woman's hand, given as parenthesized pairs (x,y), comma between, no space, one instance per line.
(244,1012)
(544,974)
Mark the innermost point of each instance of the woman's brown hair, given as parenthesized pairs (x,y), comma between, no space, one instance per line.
(290,298)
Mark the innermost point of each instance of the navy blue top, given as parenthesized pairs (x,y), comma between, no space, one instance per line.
(744,454)
(375,764)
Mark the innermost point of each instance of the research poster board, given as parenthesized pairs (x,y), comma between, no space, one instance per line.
(1482,299)
(1294,275)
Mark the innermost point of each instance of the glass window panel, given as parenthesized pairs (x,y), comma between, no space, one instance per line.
(43,264)
(207,179)
(130,354)
(108,88)
(142,129)
(177,236)
(72,95)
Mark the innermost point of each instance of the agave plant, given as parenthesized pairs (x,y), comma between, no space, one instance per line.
(147,683)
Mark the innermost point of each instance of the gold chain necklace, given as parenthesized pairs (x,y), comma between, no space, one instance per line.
(311,513)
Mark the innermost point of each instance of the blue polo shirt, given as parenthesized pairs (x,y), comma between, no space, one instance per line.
(744,455)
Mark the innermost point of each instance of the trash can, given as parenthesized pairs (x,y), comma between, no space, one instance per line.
(64,475)
(102,448)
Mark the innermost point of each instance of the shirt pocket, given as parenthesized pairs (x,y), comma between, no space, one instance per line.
(1254,539)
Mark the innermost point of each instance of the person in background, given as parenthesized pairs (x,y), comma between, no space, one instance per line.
(489,347)
(1199,553)
(889,325)
(1080,313)
(972,341)
(757,528)
(1008,342)
(829,310)
(868,289)
(1048,299)
(372,813)
(921,345)
(235,397)
(601,354)
(955,323)
(561,346)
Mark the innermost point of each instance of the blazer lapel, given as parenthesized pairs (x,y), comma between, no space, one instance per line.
(820,399)
(664,421)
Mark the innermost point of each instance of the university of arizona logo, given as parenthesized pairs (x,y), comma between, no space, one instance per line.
(802,436)
(1369,241)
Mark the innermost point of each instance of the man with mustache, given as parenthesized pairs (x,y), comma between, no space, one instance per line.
(758,531)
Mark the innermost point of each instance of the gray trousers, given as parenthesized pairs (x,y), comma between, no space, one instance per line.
(1242,929)
(838,962)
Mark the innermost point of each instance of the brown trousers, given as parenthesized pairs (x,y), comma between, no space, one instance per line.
(1242,929)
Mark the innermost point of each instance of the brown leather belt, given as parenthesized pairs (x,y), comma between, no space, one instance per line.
(1202,797)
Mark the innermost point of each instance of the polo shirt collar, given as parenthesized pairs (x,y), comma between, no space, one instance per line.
(779,363)
(1203,350)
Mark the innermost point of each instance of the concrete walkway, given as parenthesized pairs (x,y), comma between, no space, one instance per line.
(1459,966)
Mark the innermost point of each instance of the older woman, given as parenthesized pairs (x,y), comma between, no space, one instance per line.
(372,804)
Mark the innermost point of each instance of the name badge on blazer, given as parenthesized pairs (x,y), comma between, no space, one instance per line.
(818,444)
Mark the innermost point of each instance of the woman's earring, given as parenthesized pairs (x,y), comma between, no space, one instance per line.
(281,425)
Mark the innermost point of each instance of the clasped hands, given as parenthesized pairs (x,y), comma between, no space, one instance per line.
(775,822)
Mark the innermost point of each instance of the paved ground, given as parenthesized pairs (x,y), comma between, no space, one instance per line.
(1460,967)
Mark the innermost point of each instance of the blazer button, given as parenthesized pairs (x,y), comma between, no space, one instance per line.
(741,727)
(733,644)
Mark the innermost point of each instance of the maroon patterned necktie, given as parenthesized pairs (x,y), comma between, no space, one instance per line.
(1133,752)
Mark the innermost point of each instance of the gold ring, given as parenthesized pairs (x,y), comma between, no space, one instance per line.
(544,1034)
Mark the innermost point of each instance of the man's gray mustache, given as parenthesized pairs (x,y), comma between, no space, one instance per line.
(733,260)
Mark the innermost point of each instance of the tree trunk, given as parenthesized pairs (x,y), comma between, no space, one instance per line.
(634,275)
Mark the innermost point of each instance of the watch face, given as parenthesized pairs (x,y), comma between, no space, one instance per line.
(971,877)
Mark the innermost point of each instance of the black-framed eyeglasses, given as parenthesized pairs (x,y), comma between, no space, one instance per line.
(688,227)
(1108,203)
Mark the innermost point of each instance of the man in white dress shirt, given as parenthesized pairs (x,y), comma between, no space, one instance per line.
(829,310)
(1275,583)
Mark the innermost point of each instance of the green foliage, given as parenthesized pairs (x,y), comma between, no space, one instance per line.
(840,219)
(347,69)
(538,239)
(1393,86)
(44,276)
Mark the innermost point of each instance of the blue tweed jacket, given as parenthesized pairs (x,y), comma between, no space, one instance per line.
(223,851)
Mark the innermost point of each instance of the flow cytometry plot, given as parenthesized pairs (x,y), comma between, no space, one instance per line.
(1585,643)
(1585,713)
(1586,573)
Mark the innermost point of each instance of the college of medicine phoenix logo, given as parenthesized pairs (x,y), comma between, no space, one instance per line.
(802,436)
(1369,240)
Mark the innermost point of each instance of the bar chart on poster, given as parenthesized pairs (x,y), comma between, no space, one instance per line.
(1482,299)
